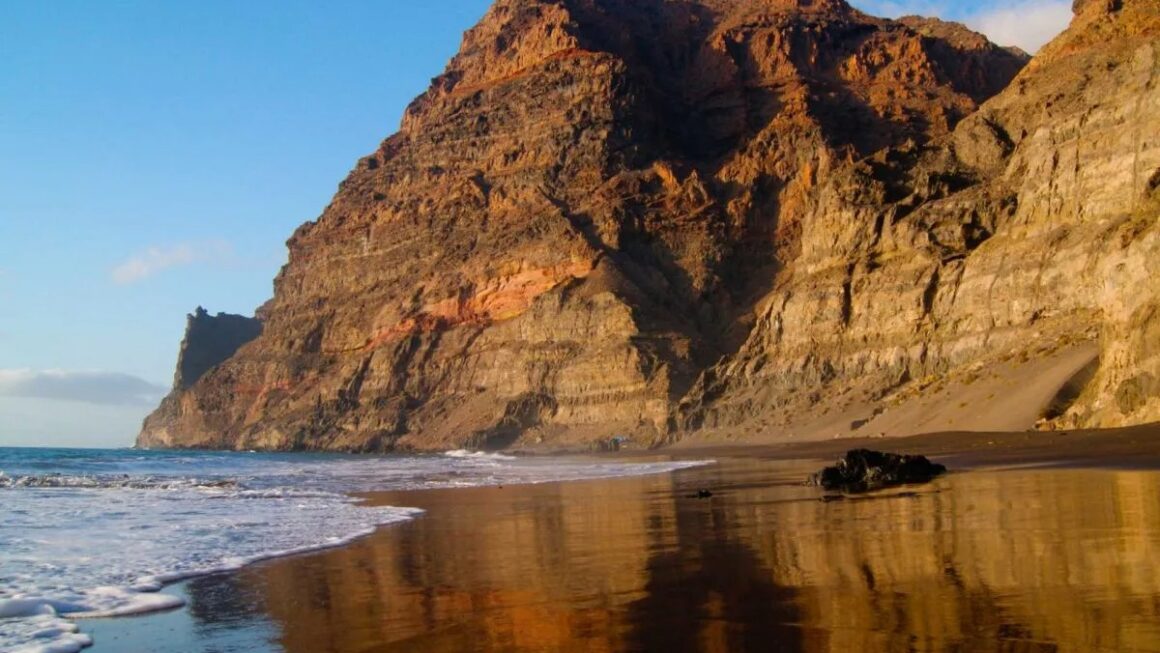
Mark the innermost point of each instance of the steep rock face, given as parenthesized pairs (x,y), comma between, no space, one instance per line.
(1032,225)
(603,209)
(209,341)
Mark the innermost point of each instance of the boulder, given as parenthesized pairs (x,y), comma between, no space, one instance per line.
(861,470)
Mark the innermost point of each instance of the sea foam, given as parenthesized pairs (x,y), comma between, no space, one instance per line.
(98,534)
(478,455)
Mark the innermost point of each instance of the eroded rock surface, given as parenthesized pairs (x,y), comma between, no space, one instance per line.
(1032,225)
(647,219)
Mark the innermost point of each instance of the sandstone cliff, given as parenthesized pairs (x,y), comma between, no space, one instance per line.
(650,218)
(1032,227)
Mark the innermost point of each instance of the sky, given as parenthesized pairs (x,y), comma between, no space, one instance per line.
(155,156)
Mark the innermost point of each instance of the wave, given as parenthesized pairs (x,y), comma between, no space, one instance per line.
(120,482)
(478,455)
(81,541)
(80,548)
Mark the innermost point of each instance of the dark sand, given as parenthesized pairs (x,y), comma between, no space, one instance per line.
(1064,557)
(1136,447)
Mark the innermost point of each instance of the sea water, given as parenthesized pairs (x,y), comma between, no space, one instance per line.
(92,533)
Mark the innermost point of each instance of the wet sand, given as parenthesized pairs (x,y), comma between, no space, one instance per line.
(1135,447)
(1058,558)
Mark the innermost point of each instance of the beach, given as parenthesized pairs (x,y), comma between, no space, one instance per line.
(562,357)
(1034,542)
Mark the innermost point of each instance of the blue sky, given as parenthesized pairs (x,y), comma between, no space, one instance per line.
(155,156)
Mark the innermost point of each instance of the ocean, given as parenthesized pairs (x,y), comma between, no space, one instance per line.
(94,533)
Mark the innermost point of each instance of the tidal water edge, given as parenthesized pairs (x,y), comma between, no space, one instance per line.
(1003,560)
(87,534)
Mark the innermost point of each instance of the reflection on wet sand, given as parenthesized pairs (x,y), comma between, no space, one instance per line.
(1043,560)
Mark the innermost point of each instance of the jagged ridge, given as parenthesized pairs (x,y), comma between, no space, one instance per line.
(611,217)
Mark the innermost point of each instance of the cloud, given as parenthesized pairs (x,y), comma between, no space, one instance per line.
(1028,24)
(106,388)
(896,8)
(145,264)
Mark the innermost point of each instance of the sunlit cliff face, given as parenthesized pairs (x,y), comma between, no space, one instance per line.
(582,212)
(1030,560)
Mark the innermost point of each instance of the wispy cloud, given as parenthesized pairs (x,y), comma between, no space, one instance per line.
(896,8)
(107,388)
(1028,24)
(145,264)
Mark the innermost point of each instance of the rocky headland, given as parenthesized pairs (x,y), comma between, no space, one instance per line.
(663,220)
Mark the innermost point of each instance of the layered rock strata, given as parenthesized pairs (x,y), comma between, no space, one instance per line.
(1033,223)
(652,218)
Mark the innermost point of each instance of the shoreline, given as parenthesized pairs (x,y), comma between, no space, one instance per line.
(1132,447)
(737,465)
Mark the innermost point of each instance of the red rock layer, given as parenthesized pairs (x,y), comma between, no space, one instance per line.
(586,211)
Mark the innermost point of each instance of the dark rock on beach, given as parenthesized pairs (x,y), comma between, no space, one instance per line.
(861,470)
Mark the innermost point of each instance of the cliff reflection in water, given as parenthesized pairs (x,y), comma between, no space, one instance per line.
(1017,561)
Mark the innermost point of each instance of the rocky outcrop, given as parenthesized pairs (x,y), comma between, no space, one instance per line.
(861,470)
(649,218)
(209,341)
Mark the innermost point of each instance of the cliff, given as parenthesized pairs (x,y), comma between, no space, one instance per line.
(656,218)
(209,341)
(1030,229)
